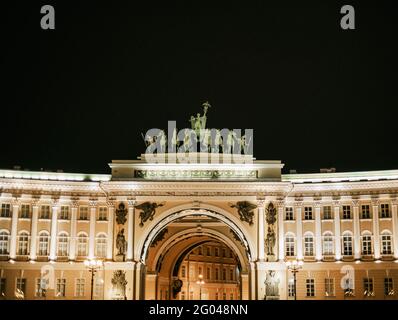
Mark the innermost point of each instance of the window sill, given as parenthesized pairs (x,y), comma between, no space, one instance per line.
(290,221)
(44,219)
(346,220)
(5,218)
(64,220)
(84,221)
(102,221)
(366,219)
(385,219)
(24,219)
(308,220)
(327,220)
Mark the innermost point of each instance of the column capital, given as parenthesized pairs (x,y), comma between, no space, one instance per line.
(92,202)
(318,204)
(336,203)
(260,202)
(375,202)
(355,202)
(394,201)
(131,201)
(298,203)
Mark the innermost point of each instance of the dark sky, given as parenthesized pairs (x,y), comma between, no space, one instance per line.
(316,95)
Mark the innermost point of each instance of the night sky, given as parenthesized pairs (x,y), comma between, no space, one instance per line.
(317,96)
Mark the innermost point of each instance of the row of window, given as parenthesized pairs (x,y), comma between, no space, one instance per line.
(328,244)
(45,212)
(217,296)
(63,241)
(224,252)
(60,287)
(365,212)
(330,290)
(212,274)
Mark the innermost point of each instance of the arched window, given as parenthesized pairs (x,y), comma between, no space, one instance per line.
(328,244)
(386,242)
(63,240)
(23,243)
(309,245)
(4,242)
(44,238)
(366,243)
(347,244)
(100,246)
(82,245)
(289,245)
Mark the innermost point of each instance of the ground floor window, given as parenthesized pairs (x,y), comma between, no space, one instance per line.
(310,286)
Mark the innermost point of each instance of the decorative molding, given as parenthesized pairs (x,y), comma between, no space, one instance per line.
(245,211)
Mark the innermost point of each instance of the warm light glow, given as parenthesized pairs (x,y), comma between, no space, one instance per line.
(12,261)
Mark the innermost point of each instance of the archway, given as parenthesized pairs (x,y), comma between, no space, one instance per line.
(176,236)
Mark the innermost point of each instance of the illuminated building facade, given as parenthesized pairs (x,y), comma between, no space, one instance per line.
(152,224)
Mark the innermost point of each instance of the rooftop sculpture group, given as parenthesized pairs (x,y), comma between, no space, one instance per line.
(199,138)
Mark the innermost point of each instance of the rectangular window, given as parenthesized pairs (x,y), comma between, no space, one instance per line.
(385,210)
(290,289)
(21,286)
(183,269)
(289,216)
(99,288)
(216,253)
(40,290)
(45,212)
(224,274)
(365,211)
(61,286)
(200,251)
(208,252)
(216,274)
(224,254)
(3,283)
(200,271)
(388,287)
(208,274)
(310,286)
(103,214)
(386,246)
(347,212)
(367,244)
(5,210)
(83,213)
(329,287)
(368,287)
(231,274)
(25,211)
(308,213)
(64,213)
(79,290)
(327,213)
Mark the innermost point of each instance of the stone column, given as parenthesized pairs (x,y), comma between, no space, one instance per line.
(281,233)
(93,218)
(318,231)
(111,219)
(299,231)
(357,230)
(261,231)
(394,227)
(130,230)
(376,232)
(337,233)
(14,229)
(54,229)
(73,226)
(33,231)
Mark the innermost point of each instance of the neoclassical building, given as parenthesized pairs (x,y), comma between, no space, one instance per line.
(221,230)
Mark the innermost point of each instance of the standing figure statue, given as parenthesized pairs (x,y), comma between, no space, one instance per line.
(271,285)
(121,243)
(199,122)
(270,241)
